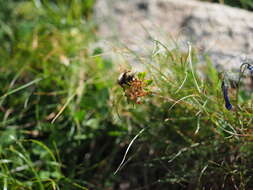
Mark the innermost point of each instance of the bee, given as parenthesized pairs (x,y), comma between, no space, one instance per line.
(134,87)
(125,78)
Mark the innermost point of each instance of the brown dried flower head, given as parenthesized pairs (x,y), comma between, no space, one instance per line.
(135,88)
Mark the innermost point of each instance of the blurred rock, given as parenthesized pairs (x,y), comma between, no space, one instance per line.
(222,32)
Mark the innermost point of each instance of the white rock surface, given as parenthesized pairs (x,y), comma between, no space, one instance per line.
(222,32)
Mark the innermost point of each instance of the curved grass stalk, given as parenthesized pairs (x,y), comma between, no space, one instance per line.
(186,75)
(191,66)
(127,150)
(30,165)
(185,97)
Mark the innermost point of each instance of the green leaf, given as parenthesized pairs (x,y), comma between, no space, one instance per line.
(149,82)
(141,75)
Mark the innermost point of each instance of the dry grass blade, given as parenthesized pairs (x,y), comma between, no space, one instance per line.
(124,158)
(63,107)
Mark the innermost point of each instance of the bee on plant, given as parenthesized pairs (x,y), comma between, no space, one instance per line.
(134,85)
(125,78)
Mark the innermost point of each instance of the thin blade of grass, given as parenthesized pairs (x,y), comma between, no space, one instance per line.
(20,88)
(191,66)
(181,99)
(181,86)
(198,125)
(124,157)
(63,107)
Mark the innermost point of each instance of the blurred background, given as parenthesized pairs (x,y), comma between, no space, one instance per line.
(65,123)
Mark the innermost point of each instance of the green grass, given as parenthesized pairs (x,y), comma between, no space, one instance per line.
(66,124)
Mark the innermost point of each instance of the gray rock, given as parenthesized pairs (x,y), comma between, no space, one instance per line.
(222,32)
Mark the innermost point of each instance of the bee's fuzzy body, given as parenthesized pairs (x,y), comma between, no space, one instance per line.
(125,78)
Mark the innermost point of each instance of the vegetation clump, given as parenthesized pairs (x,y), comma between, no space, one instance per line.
(135,88)
(64,124)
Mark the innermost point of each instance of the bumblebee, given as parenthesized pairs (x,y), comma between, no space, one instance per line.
(125,78)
